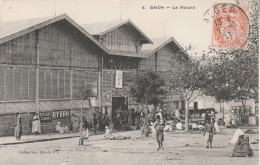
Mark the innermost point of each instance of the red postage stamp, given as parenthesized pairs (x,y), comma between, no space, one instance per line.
(230,26)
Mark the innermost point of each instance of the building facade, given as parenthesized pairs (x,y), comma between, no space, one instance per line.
(43,63)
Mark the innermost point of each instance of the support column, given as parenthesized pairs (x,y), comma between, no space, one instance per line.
(71,72)
(156,61)
(99,86)
(101,98)
(37,70)
(71,84)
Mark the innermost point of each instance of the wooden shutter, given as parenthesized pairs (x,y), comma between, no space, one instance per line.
(75,84)
(9,84)
(54,84)
(67,84)
(32,84)
(61,84)
(48,84)
(42,90)
(2,84)
(24,84)
(17,83)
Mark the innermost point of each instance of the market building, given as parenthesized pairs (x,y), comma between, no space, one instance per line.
(44,61)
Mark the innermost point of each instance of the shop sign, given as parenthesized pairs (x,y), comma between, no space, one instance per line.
(119,79)
(61,114)
(46,117)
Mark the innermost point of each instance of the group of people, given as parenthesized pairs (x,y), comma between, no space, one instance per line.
(158,121)
(130,117)
(100,121)
(242,146)
(35,125)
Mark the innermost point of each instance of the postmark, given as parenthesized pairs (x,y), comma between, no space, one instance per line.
(230,27)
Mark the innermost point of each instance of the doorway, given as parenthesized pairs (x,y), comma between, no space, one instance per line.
(195,105)
(118,102)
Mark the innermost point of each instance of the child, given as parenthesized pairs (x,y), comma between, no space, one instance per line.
(146,130)
(159,126)
(209,131)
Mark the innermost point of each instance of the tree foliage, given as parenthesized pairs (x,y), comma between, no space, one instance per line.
(189,75)
(236,73)
(85,90)
(149,88)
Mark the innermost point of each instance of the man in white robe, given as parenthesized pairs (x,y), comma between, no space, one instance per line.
(36,124)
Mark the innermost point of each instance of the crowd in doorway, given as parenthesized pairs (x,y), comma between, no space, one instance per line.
(131,117)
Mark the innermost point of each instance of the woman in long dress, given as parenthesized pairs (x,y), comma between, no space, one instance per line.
(36,124)
(18,128)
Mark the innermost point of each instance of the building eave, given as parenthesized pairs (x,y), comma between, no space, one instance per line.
(51,21)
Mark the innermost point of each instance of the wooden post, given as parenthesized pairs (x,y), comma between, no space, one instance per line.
(71,72)
(186,114)
(37,69)
(99,83)
(101,99)
(81,138)
(156,61)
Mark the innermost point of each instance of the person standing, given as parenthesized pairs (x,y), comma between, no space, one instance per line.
(106,120)
(138,116)
(74,122)
(177,114)
(159,127)
(85,126)
(36,124)
(94,123)
(159,114)
(124,116)
(18,128)
(207,117)
(133,117)
(130,117)
(83,130)
(209,131)
(100,122)
(149,117)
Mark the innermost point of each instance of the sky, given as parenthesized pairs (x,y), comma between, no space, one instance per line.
(187,26)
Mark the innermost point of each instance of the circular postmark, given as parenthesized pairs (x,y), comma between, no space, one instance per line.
(230,27)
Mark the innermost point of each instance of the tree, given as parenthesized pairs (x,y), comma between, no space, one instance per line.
(190,76)
(149,88)
(237,72)
(85,91)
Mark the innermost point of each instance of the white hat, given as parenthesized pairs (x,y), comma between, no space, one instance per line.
(236,135)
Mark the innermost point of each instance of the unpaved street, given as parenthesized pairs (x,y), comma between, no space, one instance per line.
(180,148)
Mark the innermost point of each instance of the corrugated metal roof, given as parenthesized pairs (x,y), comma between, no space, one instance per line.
(158,43)
(105,27)
(8,28)
(149,48)
(11,30)
(99,28)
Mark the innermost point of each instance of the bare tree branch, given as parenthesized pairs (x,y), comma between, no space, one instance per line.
(195,96)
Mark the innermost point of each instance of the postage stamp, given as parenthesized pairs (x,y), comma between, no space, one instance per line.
(230,26)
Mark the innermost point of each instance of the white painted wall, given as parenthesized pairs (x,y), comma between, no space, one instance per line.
(210,102)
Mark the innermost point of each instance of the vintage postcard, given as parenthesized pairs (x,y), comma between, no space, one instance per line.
(146,82)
